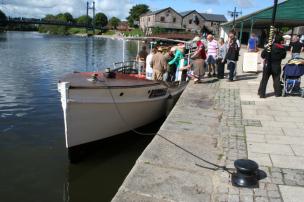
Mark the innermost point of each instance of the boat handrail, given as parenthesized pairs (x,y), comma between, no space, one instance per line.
(127,66)
(157,38)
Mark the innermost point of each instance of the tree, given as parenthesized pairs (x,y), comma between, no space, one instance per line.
(2,16)
(84,19)
(135,13)
(60,17)
(114,21)
(53,29)
(101,20)
(3,19)
(68,17)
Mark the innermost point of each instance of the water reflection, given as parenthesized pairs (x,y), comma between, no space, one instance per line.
(32,152)
(102,172)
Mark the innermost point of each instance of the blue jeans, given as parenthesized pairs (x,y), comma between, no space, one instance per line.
(231,68)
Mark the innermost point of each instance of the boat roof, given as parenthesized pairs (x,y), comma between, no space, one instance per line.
(82,80)
(155,38)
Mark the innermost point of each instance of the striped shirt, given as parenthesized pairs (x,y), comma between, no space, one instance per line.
(212,48)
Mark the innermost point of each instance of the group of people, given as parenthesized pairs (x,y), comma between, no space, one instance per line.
(174,64)
(170,64)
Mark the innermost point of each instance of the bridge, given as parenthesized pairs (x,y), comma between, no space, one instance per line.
(36,21)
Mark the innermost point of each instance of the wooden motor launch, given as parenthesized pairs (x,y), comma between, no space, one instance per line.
(98,105)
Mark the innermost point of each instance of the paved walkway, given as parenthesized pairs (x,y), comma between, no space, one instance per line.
(223,121)
(274,137)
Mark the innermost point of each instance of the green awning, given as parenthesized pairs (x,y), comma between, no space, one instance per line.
(290,13)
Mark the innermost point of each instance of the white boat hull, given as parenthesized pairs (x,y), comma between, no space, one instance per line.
(95,114)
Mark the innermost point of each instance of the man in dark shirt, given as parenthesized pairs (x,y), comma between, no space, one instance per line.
(232,55)
(273,67)
(296,47)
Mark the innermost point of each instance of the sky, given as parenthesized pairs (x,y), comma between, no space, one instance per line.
(120,8)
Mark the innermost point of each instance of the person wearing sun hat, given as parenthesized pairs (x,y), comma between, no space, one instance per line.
(159,65)
(198,60)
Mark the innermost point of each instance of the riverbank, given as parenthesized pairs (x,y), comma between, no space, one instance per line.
(223,121)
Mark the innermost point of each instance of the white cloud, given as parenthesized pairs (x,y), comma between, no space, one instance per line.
(245,3)
(206,1)
(209,10)
(39,8)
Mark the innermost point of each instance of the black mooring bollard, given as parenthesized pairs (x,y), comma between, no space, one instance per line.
(247,173)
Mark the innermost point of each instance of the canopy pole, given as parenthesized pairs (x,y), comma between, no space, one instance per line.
(241,32)
(251,26)
(292,31)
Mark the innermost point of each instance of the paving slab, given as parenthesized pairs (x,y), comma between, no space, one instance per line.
(260,158)
(285,140)
(292,194)
(298,149)
(269,148)
(282,161)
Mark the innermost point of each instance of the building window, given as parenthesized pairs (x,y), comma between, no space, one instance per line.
(148,19)
(162,19)
(174,20)
(190,21)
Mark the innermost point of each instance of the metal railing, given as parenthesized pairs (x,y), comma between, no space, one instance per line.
(128,67)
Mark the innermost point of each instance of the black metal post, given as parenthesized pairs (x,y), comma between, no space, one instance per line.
(234,14)
(274,12)
(92,25)
(271,32)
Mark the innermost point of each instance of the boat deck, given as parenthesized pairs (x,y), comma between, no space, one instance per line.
(84,80)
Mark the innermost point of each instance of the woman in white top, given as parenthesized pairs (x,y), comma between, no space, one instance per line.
(149,70)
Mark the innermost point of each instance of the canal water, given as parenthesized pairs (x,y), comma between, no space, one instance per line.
(33,158)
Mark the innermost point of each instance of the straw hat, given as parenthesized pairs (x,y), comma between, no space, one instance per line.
(196,39)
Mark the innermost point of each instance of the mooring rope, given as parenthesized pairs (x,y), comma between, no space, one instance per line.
(217,167)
